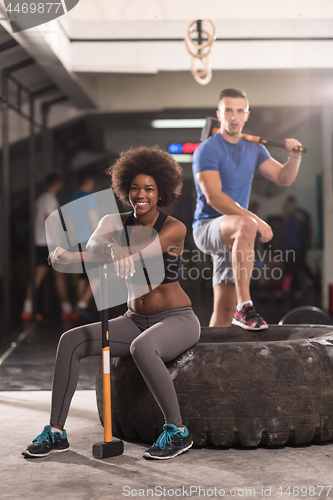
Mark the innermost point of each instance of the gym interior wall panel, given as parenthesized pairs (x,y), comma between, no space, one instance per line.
(121,93)
(309,132)
(119,139)
(327,145)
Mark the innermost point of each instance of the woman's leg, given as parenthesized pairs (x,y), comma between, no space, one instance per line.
(160,343)
(80,343)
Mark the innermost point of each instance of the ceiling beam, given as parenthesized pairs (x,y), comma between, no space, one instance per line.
(39,43)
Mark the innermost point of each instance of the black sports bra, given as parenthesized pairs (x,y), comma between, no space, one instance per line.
(171,262)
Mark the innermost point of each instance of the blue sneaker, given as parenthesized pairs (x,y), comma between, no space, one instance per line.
(47,442)
(170,443)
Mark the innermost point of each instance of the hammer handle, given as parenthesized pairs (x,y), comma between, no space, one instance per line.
(271,142)
(105,355)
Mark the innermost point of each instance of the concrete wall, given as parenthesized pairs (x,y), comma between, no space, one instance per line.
(306,93)
(121,93)
(328,201)
(310,93)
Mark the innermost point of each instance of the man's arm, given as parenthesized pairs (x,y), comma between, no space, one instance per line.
(211,186)
(283,175)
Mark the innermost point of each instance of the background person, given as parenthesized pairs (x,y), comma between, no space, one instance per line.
(47,203)
(157,327)
(223,169)
(297,239)
(82,223)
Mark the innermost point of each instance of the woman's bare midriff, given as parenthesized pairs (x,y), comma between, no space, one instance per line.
(162,298)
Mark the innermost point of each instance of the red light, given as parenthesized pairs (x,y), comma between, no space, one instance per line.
(190,147)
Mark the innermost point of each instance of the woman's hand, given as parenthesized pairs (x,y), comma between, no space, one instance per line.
(122,259)
(61,256)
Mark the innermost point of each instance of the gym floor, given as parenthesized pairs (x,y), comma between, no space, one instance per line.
(26,365)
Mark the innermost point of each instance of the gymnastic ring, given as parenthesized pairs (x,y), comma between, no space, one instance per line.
(236,387)
(206,73)
(201,72)
(198,47)
(210,37)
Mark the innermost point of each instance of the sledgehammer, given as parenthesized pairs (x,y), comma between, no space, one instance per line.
(110,447)
(212,126)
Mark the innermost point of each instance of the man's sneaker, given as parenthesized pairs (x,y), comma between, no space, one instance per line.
(249,319)
(26,316)
(170,443)
(84,316)
(47,442)
(70,316)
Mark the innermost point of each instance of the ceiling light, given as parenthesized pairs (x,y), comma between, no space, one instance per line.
(183,158)
(179,123)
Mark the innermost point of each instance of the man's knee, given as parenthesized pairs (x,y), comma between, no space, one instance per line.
(247,229)
(242,227)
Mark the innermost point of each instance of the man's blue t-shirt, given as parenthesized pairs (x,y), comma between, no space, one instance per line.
(236,164)
(78,212)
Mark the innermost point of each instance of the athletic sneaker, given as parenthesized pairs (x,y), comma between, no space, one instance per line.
(47,442)
(84,316)
(170,443)
(70,316)
(26,316)
(249,319)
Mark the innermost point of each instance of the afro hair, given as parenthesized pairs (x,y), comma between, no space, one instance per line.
(149,161)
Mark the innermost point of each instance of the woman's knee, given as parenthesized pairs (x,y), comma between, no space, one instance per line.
(140,348)
(77,341)
(67,338)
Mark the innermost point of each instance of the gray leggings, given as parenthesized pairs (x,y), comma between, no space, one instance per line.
(150,339)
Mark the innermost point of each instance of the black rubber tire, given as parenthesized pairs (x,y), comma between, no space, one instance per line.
(306,315)
(236,388)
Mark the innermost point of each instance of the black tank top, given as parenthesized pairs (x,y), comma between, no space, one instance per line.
(171,262)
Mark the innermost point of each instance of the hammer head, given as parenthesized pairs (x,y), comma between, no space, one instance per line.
(110,449)
(212,126)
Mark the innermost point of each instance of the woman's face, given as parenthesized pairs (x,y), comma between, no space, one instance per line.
(143,193)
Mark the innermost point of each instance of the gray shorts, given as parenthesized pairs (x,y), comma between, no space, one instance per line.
(208,239)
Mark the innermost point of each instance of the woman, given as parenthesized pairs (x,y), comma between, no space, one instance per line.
(158,326)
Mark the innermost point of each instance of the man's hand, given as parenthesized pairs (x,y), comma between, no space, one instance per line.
(290,144)
(265,231)
(123,260)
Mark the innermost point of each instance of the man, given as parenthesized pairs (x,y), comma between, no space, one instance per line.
(47,203)
(223,169)
(297,238)
(83,220)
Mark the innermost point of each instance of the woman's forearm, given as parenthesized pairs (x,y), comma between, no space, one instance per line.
(95,257)
(96,244)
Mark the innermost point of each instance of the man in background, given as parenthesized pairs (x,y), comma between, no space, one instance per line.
(297,239)
(83,220)
(223,169)
(45,204)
